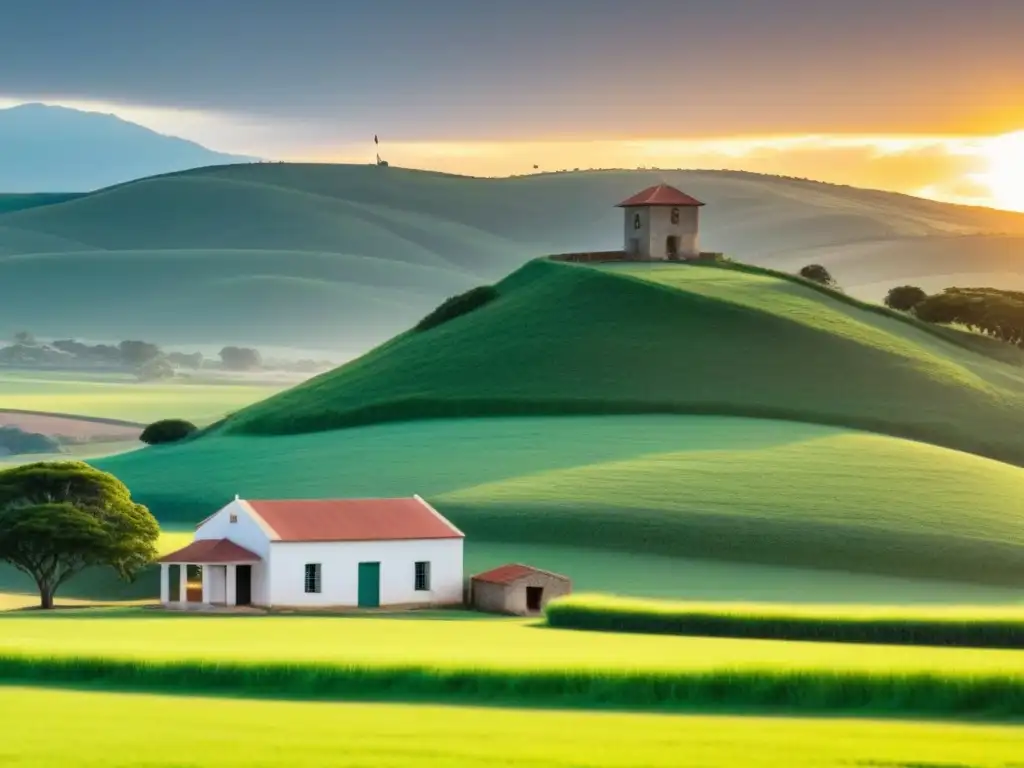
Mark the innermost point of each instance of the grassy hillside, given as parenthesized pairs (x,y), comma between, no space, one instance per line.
(645,490)
(319,237)
(680,339)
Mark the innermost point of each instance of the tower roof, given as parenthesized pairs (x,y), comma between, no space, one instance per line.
(659,194)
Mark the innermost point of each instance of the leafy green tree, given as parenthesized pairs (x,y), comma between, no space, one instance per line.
(167,431)
(818,274)
(905,297)
(57,518)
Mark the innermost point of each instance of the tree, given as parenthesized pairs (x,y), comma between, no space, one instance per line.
(904,297)
(167,431)
(57,518)
(818,274)
(240,358)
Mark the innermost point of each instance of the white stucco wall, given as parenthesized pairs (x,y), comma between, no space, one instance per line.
(657,227)
(246,532)
(642,234)
(339,562)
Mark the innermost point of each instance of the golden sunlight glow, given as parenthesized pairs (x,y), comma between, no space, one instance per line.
(1005,175)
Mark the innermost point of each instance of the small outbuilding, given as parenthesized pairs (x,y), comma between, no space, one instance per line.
(518,589)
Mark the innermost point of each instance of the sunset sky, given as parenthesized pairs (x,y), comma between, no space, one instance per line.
(920,96)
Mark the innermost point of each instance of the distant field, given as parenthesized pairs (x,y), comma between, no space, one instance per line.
(97,727)
(454,656)
(118,396)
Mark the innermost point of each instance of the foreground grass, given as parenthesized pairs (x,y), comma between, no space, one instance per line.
(456,657)
(117,729)
(119,396)
(966,627)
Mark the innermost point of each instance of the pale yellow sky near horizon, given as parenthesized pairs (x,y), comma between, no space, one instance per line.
(973,170)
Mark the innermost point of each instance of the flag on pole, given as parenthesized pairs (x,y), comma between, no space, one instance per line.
(375,139)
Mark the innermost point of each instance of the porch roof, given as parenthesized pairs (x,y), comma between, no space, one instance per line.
(211,551)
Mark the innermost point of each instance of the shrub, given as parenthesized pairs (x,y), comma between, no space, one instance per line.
(818,274)
(850,625)
(904,297)
(459,305)
(167,431)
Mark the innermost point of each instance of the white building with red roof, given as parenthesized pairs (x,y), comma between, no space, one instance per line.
(661,224)
(319,554)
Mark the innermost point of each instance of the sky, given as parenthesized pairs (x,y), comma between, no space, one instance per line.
(898,94)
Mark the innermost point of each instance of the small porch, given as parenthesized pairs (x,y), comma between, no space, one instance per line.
(208,572)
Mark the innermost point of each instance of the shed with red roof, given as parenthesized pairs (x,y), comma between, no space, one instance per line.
(318,553)
(518,589)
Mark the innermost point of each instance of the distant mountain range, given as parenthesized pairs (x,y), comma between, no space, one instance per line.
(56,149)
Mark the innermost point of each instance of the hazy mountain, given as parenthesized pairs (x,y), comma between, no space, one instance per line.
(49,149)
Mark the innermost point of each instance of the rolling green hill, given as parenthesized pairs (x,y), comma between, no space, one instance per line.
(318,238)
(563,339)
(566,339)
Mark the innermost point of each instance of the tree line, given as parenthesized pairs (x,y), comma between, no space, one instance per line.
(995,312)
(149,360)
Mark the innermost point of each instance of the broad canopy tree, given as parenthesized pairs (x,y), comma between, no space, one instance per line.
(57,518)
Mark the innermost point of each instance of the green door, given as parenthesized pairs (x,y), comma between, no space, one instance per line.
(369,585)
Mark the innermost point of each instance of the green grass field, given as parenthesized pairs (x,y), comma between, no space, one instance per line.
(121,396)
(459,657)
(876,624)
(118,729)
(736,490)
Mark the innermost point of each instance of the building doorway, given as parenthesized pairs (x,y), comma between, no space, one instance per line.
(672,247)
(243,585)
(369,585)
(534,599)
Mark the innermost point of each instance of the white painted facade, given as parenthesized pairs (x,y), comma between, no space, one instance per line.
(279,578)
(339,572)
(648,230)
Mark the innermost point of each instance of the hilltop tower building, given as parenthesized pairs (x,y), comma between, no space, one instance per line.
(661,224)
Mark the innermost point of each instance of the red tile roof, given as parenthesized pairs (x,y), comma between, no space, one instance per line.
(211,551)
(506,574)
(660,194)
(353,520)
